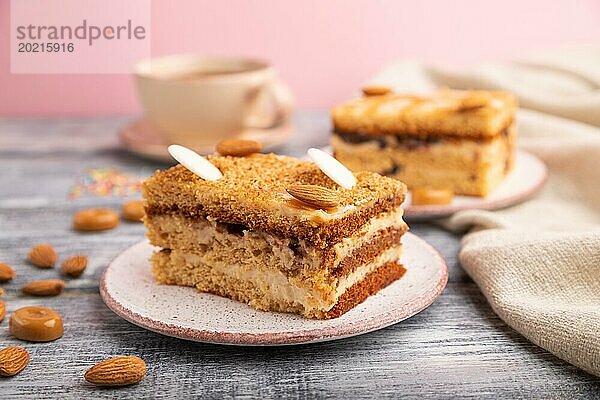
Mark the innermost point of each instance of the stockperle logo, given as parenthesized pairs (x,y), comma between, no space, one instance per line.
(78,36)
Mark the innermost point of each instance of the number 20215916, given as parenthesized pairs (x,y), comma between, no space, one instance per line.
(47,47)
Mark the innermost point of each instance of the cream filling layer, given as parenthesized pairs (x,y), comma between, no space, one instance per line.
(346,246)
(282,288)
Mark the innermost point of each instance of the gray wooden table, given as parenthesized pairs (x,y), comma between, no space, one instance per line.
(456,348)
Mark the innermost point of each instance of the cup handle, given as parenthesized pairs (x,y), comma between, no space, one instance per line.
(269,106)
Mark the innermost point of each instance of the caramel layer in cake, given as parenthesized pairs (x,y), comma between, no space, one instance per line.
(461,140)
(325,264)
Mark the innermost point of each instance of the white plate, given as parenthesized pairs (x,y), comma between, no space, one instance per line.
(527,177)
(127,287)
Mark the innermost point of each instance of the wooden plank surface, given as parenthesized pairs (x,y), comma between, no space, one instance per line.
(456,348)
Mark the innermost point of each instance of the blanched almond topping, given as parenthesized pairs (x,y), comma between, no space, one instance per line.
(332,168)
(497,103)
(195,162)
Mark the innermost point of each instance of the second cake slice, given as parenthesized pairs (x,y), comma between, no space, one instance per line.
(459,140)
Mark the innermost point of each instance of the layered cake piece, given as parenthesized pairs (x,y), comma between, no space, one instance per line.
(459,140)
(276,233)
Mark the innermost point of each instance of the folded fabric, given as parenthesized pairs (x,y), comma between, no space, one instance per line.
(538,263)
(544,285)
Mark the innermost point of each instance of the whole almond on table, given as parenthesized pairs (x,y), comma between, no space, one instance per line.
(2,310)
(52,287)
(133,210)
(238,147)
(42,255)
(316,196)
(95,219)
(1,291)
(118,371)
(13,360)
(6,272)
(74,266)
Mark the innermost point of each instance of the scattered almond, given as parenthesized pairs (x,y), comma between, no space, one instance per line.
(95,219)
(74,266)
(238,147)
(6,272)
(43,255)
(118,371)
(133,210)
(13,360)
(376,90)
(2,310)
(315,196)
(1,291)
(51,287)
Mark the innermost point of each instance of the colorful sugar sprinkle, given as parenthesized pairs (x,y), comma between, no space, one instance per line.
(105,182)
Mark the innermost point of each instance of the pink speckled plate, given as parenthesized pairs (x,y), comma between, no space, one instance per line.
(142,138)
(127,288)
(527,178)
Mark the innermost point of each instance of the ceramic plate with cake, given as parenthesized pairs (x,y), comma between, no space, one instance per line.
(269,249)
(454,149)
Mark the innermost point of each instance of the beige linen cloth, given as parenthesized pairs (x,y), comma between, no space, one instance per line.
(538,263)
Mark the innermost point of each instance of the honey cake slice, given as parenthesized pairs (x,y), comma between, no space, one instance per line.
(246,238)
(460,140)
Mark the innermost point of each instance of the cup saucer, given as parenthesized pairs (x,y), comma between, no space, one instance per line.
(141,137)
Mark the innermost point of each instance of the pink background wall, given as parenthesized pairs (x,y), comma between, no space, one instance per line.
(323,49)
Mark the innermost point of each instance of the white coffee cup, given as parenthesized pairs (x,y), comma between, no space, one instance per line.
(198,101)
